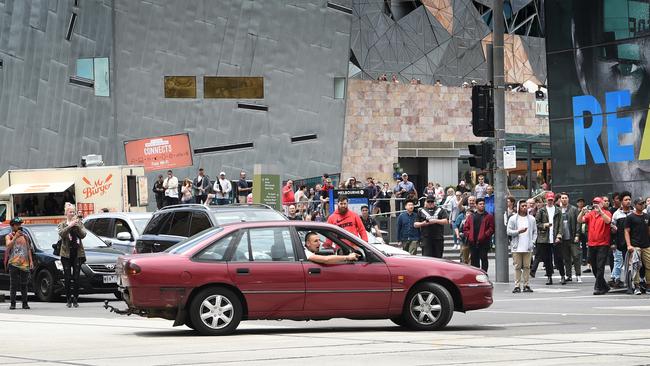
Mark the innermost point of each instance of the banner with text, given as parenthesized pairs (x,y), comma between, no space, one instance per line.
(160,153)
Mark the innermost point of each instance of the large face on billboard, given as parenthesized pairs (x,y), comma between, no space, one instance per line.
(598,54)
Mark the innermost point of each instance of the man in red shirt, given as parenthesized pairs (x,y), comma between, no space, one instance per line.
(288,196)
(348,220)
(598,221)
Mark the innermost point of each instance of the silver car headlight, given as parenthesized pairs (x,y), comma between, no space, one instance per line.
(482,278)
(58,265)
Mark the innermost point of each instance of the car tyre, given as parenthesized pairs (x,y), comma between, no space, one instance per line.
(44,286)
(429,306)
(215,311)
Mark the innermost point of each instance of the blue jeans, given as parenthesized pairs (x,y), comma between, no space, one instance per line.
(618,264)
(223,201)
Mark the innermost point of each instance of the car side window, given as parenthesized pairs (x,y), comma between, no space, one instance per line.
(121,226)
(102,227)
(89,225)
(265,245)
(200,222)
(333,242)
(159,224)
(180,224)
(216,251)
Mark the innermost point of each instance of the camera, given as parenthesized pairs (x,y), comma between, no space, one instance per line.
(590,207)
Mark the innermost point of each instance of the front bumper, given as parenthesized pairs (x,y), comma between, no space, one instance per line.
(477,296)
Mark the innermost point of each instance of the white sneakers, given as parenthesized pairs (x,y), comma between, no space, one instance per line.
(578,279)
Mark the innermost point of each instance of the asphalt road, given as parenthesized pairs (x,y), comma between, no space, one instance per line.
(555,325)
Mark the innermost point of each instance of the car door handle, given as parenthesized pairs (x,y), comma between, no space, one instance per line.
(243,271)
(314,271)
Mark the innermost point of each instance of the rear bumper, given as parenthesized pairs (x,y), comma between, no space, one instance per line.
(477,296)
(154,297)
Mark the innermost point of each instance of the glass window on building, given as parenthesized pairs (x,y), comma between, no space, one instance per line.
(339,88)
(97,70)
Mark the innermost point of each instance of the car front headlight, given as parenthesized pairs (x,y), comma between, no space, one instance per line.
(58,265)
(482,278)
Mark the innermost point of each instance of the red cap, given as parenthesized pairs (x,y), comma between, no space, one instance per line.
(597,200)
(550,196)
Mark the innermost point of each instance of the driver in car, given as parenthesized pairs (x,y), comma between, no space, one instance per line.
(312,245)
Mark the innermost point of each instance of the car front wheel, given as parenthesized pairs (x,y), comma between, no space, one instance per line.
(429,306)
(44,286)
(215,311)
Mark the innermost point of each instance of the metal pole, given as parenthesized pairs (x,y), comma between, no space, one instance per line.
(501,241)
(530,170)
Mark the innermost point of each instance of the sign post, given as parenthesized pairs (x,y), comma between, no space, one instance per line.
(509,157)
(266,188)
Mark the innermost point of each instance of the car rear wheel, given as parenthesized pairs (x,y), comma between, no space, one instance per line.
(44,286)
(429,306)
(215,311)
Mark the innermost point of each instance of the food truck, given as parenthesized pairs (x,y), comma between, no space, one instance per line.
(39,195)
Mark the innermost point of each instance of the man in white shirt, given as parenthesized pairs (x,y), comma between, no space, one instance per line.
(522,230)
(171,189)
(222,188)
(312,245)
(481,187)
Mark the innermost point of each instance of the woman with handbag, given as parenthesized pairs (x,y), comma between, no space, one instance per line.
(71,231)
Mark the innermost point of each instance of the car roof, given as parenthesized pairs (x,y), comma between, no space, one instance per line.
(308,224)
(124,215)
(212,208)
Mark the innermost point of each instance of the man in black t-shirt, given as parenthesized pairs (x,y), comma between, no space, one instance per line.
(637,238)
(431,221)
(368,222)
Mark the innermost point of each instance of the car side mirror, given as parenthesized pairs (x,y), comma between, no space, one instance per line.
(124,236)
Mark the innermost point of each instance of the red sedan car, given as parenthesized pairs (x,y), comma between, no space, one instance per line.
(259,270)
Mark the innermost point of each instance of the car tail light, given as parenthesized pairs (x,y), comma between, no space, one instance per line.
(131,268)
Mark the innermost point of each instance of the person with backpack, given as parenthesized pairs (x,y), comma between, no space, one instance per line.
(19,262)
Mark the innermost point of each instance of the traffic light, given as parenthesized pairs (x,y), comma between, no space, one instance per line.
(482,111)
(481,155)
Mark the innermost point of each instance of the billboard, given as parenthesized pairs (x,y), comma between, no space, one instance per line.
(598,54)
(160,153)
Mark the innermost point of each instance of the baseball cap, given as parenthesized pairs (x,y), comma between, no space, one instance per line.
(550,195)
(404,174)
(16,221)
(222,173)
(597,200)
(639,200)
(431,199)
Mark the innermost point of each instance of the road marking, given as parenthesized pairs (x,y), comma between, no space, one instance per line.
(528,297)
(631,308)
(545,290)
(532,324)
(562,314)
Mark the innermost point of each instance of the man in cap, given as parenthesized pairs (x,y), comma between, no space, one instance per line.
(431,221)
(403,188)
(549,220)
(637,239)
(222,188)
(598,220)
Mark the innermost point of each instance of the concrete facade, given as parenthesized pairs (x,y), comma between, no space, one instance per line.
(385,121)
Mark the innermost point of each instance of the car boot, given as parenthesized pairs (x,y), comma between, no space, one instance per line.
(563,280)
(550,280)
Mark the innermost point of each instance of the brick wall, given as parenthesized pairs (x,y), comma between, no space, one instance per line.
(381,114)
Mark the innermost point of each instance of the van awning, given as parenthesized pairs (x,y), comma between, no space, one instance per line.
(27,188)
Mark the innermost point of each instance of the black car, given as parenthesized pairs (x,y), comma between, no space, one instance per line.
(97,275)
(171,224)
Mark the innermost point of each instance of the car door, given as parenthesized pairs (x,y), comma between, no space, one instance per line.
(265,267)
(103,227)
(4,276)
(349,288)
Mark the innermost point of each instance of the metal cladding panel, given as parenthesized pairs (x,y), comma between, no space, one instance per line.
(297,48)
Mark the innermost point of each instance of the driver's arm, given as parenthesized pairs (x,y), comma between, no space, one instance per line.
(329,259)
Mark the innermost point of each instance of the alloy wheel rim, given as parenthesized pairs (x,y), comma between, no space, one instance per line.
(425,308)
(216,311)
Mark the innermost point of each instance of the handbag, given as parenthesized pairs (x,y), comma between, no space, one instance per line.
(57,248)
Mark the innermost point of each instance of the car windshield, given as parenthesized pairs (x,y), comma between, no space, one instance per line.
(45,236)
(248,215)
(140,224)
(189,243)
